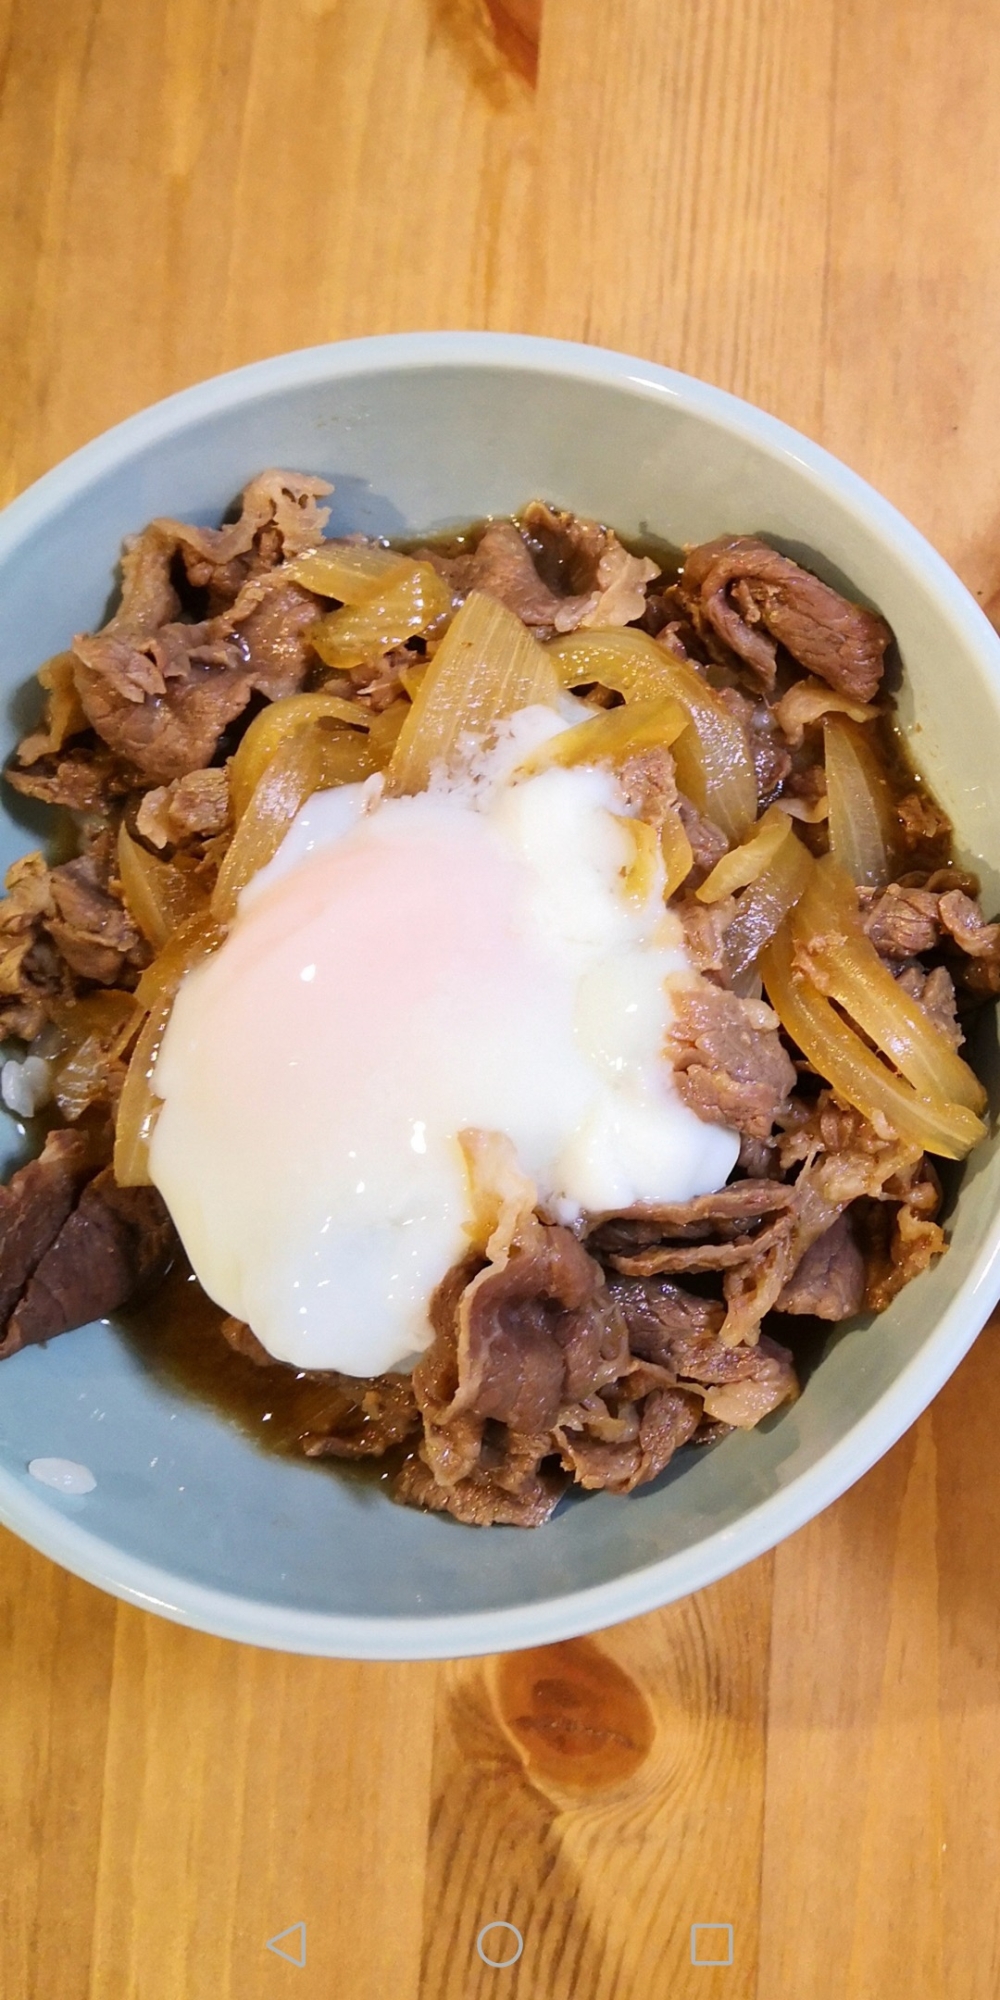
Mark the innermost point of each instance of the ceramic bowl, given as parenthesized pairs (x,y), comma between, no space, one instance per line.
(419,432)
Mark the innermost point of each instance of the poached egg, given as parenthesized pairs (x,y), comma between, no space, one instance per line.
(403,970)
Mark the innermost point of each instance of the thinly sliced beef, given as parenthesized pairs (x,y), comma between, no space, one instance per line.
(161,703)
(902,922)
(829,1280)
(160,692)
(755,600)
(93,930)
(112,1244)
(533,1333)
(667,1419)
(708,842)
(935,991)
(279,518)
(610,586)
(729,1062)
(86,778)
(33,1207)
(481,1502)
(187,809)
(33,971)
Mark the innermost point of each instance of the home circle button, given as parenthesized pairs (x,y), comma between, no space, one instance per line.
(499,1925)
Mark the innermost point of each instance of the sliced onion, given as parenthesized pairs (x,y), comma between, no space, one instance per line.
(611,735)
(808,700)
(384,730)
(138,1106)
(268,729)
(643,866)
(487,667)
(761,909)
(407,606)
(89,1034)
(861,808)
(349,571)
(678,857)
(854,1072)
(745,864)
(849,970)
(714,765)
(311,759)
(157,893)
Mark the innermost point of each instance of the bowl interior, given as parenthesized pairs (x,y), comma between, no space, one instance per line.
(410,446)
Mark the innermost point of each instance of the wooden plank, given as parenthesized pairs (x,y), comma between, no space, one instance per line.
(246,1792)
(603,1796)
(56,1666)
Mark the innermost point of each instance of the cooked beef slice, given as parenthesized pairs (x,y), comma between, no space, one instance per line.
(279,518)
(190,808)
(708,842)
(829,1280)
(963,919)
(32,969)
(33,1207)
(754,600)
(611,582)
(482,1501)
(935,991)
(162,702)
(915,1239)
(648,784)
(745,1400)
(86,777)
(93,930)
(533,1332)
(771,759)
(901,922)
(665,1419)
(729,1063)
(160,692)
(721,1218)
(112,1244)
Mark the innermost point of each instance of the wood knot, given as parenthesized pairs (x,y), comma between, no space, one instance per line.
(575,1715)
(517,27)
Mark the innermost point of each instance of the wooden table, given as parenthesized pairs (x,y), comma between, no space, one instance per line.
(796,199)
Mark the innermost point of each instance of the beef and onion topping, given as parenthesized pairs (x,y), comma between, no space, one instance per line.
(520,978)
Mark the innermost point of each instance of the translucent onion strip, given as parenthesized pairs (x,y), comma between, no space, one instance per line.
(348,571)
(861,807)
(714,765)
(486,667)
(641,872)
(848,969)
(761,909)
(743,865)
(807,701)
(311,759)
(407,607)
(138,1106)
(268,729)
(158,894)
(854,1071)
(611,735)
(678,857)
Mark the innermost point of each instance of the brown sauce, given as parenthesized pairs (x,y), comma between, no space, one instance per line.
(176,1334)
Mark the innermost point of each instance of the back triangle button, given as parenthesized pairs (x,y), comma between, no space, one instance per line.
(278,1943)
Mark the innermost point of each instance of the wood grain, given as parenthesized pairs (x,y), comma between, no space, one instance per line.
(796,199)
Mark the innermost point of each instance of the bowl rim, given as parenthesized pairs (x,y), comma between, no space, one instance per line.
(762,1526)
